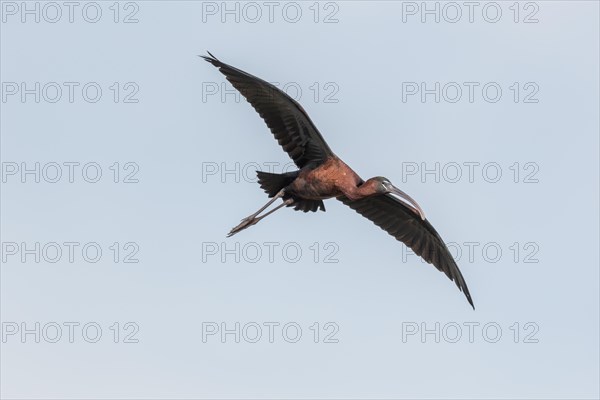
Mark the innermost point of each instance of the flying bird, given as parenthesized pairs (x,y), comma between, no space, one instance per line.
(322,175)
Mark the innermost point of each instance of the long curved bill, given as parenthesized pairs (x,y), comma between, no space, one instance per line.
(409,201)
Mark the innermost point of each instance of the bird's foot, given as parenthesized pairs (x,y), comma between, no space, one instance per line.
(246,223)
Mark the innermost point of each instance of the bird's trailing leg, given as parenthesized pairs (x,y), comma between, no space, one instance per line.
(254,218)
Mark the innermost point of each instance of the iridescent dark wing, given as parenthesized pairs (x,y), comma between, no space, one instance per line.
(286,119)
(391,215)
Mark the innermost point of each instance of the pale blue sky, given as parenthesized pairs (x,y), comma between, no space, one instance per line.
(180,139)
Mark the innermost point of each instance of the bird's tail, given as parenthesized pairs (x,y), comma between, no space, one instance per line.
(273,183)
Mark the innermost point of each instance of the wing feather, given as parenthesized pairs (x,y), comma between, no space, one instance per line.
(287,120)
(391,215)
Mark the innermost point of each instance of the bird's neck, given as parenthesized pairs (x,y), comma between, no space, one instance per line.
(359,192)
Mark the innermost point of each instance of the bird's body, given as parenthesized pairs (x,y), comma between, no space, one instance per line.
(323,175)
(330,179)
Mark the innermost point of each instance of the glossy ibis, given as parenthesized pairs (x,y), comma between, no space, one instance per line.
(322,175)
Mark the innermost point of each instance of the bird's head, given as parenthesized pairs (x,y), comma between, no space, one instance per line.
(382,185)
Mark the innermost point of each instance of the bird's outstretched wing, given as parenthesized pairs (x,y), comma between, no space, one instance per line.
(391,215)
(286,119)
